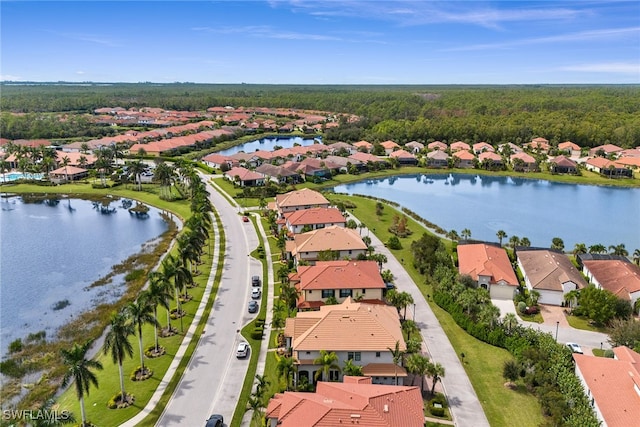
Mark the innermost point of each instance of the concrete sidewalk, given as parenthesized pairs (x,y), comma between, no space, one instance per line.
(464,403)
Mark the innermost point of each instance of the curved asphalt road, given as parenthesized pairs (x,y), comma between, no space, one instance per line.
(213,380)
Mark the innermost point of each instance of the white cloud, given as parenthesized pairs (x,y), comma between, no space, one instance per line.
(10,77)
(606,67)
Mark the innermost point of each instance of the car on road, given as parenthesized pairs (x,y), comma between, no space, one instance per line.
(256,293)
(243,350)
(253,307)
(575,348)
(215,420)
(245,219)
(255,281)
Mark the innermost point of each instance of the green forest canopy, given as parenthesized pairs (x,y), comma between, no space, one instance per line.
(588,115)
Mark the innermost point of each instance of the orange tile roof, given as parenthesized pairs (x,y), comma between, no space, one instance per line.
(490,155)
(349,326)
(460,145)
(568,145)
(383,370)
(527,158)
(464,155)
(340,275)
(329,238)
(304,197)
(389,144)
(614,385)
(486,260)
(402,154)
(619,277)
(437,145)
(351,403)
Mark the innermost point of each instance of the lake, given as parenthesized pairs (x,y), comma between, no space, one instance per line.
(269,144)
(537,209)
(52,250)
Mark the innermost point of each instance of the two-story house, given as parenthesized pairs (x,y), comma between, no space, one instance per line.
(297,222)
(298,200)
(343,243)
(337,279)
(360,332)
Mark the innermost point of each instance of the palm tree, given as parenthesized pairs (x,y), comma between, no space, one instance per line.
(418,365)
(65,162)
(597,249)
(453,235)
(571,298)
(436,372)
(501,235)
(80,370)
(140,312)
(619,250)
(525,242)
(636,256)
(117,344)
(579,248)
(510,322)
(514,241)
(557,243)
(397,355)
(57,419)
(165,174)
(328,361)
(158,294)
(465,234)
(352,369)
(284,368)
(409,327)
(489,315)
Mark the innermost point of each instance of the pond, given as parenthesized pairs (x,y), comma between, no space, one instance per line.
(537,209)
(269,144)
(51,250)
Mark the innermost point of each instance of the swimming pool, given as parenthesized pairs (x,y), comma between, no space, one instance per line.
(14,176)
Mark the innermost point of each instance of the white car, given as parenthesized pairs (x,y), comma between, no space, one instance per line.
(256,293)
(575,348)
(243,350)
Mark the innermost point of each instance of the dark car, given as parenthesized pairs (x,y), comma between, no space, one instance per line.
(255,281)
(215,420)
(245,219)
(253,307)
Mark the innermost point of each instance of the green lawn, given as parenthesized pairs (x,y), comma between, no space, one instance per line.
(483,362)
(584,323)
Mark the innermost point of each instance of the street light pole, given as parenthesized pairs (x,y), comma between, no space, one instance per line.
(557,324)
(414,313)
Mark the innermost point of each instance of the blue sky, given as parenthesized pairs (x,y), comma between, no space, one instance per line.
(322,42)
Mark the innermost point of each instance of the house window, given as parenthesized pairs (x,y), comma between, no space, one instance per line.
(308,352)
(377,354)
(334,375)
(354,355)
(345,293)
(349,251)
(326,293)
(364,291)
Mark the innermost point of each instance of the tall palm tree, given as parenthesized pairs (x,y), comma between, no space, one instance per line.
(181,279)
(579,248)
(140,312)
(137,168)
(418,365)
(453,235)
(284,368)
(159,294)
(397,355)
(465,234)
(80,370)
(168,272)
(619,250)
(405,300)
(597,249)
(525,242)
(328,361)
(165,174)
(117,344)
(514,241)
(436,372)
(501,235)
(409,327)
(636,256)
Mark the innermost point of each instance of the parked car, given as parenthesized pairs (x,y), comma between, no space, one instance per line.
(255,281)
(253,307)
(215,420)
(256,293)
(575,348)
(243,350)
(245,219)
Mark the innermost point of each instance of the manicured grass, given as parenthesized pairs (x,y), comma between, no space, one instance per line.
(108,379)
(483,362)
(584,324)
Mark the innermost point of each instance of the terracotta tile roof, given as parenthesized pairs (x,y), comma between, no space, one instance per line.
(607,148)
(383,370)
(437,145)
(335,404)
(486,260)
(314,216)
(600,162)
(366,157)
(479,146)
(340,275)
(438,155)
(527,158)
(348,326)
(548,270)
(460,145)
(402,154)
(628,161)
(304,197)
(389,145)
(619,277)
(568,145)
(489,155)
(365,144)
(329,238)
(614,385)
(243,173)
(564,162)
(464,155)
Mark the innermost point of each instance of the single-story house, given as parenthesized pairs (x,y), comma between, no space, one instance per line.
(390,146)
(608,168)
(460,146)
(490,160)
(481,147)
(67,173)
(571,148)
(523,162)
(437,159)
(244,177)
(414,147)
(549,272)
(364,146)
(404,158)
(489,267)
(562,164)
(463,159)
(618,276)
(606,150)
(437,145)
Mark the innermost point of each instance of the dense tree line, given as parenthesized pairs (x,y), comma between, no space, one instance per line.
(586,115)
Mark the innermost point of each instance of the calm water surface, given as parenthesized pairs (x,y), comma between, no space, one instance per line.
(537,209)
(52,251)
(268,144)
